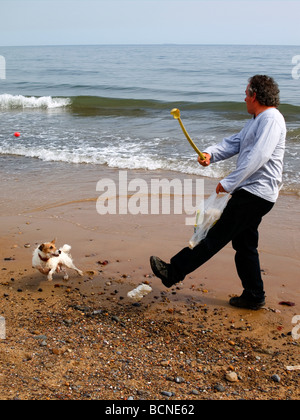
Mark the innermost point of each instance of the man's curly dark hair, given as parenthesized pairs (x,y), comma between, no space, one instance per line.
(266,89)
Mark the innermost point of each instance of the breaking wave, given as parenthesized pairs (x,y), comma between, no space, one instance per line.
(113,158)
(8,102)
(97,105)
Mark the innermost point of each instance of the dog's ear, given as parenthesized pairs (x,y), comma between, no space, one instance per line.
(41,247)
(53,242)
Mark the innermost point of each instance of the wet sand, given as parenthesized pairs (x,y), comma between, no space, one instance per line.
(84,339)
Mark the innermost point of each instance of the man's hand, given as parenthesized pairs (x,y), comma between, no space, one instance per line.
(205,162)
(220,188)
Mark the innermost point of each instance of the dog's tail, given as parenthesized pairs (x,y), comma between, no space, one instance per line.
(66,248)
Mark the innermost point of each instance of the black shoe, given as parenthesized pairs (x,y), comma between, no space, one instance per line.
(161,270)
(242,302)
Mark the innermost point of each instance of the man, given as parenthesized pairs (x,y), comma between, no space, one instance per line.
(254,188)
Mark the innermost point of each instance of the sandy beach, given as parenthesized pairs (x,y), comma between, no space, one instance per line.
(85,339)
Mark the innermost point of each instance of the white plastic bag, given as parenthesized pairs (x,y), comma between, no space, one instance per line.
(210,213)
(140,292)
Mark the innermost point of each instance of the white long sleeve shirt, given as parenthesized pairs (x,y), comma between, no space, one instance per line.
(260,147)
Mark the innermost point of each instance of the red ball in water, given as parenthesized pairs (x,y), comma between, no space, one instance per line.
(17,134)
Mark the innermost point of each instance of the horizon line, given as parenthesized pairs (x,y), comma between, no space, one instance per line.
(150,44)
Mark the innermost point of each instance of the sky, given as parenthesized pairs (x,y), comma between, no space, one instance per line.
(89,22)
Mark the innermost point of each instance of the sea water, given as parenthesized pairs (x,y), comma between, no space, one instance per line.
(110,106)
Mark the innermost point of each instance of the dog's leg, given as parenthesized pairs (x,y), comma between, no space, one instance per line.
(43,270)
(71,265)
(78,271)
(50,275)
(64,271)
(61,269)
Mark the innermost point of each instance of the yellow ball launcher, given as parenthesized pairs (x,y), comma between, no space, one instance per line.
(176,114)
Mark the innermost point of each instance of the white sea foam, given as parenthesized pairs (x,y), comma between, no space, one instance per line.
(8,101)
(113,157)
(134,158)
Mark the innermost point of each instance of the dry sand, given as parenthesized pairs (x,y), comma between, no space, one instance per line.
(85,339)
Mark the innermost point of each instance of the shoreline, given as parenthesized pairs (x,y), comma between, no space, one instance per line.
(25,180)
(63,311)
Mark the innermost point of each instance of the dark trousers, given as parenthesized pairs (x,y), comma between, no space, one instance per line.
(239,224)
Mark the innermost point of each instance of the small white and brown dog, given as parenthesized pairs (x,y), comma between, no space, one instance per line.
(48,260)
